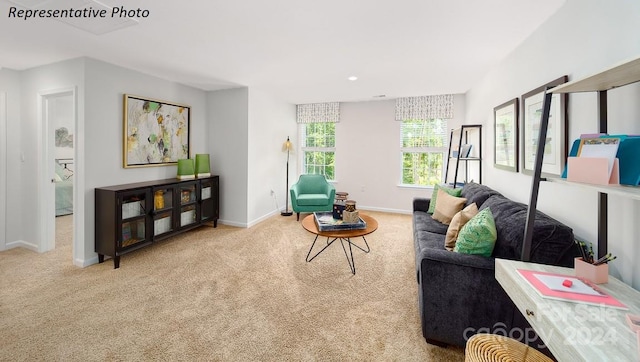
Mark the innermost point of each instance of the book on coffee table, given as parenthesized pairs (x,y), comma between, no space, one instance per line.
(326,222)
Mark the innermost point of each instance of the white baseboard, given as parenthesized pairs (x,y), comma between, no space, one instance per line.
(83,263)
(22,244)
(263,218)
(380,209)
(232,223)
(276,212)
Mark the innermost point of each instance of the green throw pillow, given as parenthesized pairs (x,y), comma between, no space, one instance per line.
(453,192)
(478,236)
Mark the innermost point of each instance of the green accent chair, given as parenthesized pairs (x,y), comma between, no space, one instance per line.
(312,193)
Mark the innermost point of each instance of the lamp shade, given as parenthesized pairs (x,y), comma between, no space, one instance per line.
(186,169)
(287,146)
(203,168)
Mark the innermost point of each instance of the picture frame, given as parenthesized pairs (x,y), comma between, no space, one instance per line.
(555,153)
(505,140)
(155,132)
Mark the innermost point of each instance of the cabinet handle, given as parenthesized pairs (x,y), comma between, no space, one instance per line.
(530,312)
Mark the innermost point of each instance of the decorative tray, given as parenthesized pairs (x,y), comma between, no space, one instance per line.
(326,222)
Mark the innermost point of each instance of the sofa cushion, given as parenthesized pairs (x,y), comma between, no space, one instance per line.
(476,193)
(551,242)
(478,236)
(447,206)
(458,221)
(422,221)
(434,195)
(312,199)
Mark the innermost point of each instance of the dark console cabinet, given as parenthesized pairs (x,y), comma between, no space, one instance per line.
(132,216)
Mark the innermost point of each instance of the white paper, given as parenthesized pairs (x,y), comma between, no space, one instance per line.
(555,283)
(600,148)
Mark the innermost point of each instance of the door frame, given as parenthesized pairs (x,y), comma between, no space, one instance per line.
(46,192)
(3,167)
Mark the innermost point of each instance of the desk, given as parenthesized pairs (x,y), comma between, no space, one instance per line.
(574,331)
(309,224)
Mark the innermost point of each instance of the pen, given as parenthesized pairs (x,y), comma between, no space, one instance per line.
(608,255)
(583,252)
(610,258)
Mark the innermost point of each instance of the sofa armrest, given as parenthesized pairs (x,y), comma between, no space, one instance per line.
(421,204)
(294,189)
(460,296)
(331,192)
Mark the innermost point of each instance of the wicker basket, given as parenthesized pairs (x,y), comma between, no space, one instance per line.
(496,348)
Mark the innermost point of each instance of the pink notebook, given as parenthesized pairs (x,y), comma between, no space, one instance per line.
(543,283)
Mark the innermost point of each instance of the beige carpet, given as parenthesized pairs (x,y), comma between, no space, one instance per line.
(219,294)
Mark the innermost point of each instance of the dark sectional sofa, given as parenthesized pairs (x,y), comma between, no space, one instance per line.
(458,294)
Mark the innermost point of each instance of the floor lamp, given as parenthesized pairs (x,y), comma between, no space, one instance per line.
(287,146)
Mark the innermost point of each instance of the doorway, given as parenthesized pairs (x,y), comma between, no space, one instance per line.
(58,112)
(3,167)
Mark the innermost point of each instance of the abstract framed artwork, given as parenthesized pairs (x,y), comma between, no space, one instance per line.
(156,133)
(555,150)
(505,150)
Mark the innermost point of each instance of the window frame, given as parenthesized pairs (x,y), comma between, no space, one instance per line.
(304,149)
(443,151)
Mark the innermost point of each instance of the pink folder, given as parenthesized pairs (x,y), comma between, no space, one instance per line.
(592,170)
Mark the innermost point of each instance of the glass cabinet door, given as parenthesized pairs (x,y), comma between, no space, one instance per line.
(206,197)
(133,218)
(188,203)
(163,210)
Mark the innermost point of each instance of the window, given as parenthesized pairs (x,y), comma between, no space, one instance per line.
(422,144)
(319,149)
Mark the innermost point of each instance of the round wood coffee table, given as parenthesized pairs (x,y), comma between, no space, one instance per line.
(309,224)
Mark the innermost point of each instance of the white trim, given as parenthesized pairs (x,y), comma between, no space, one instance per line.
(3,170)
(85,262)
(383,209)
(233,223)
(22,244)
(46,194)
(265,217)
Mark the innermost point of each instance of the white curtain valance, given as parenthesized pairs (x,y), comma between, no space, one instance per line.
(318,112)
(424,107)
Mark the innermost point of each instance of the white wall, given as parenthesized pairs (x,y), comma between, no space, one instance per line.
(3,166)
(11,167)
(270,122)
(228,146)
(48,78)
(368,160)
(583,37)
(103,131)
(219,125)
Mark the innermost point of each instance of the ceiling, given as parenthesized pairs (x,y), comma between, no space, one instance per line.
(302,51)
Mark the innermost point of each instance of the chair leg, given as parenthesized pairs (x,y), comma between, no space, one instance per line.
(298,216)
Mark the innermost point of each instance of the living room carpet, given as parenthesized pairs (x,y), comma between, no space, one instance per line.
(227,293)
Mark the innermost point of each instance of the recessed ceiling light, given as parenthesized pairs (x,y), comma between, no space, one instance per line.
(352,78)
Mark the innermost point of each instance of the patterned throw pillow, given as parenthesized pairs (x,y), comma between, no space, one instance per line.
(453,192)
(458,221)
(447,207)
(478,236)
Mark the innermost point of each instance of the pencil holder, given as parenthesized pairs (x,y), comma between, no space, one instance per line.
(598,274)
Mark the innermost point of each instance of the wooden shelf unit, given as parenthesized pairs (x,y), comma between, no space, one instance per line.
(131,216)
(617,76)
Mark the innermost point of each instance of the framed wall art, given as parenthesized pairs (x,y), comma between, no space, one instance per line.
(156,133)
(555,150)
(505,150)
